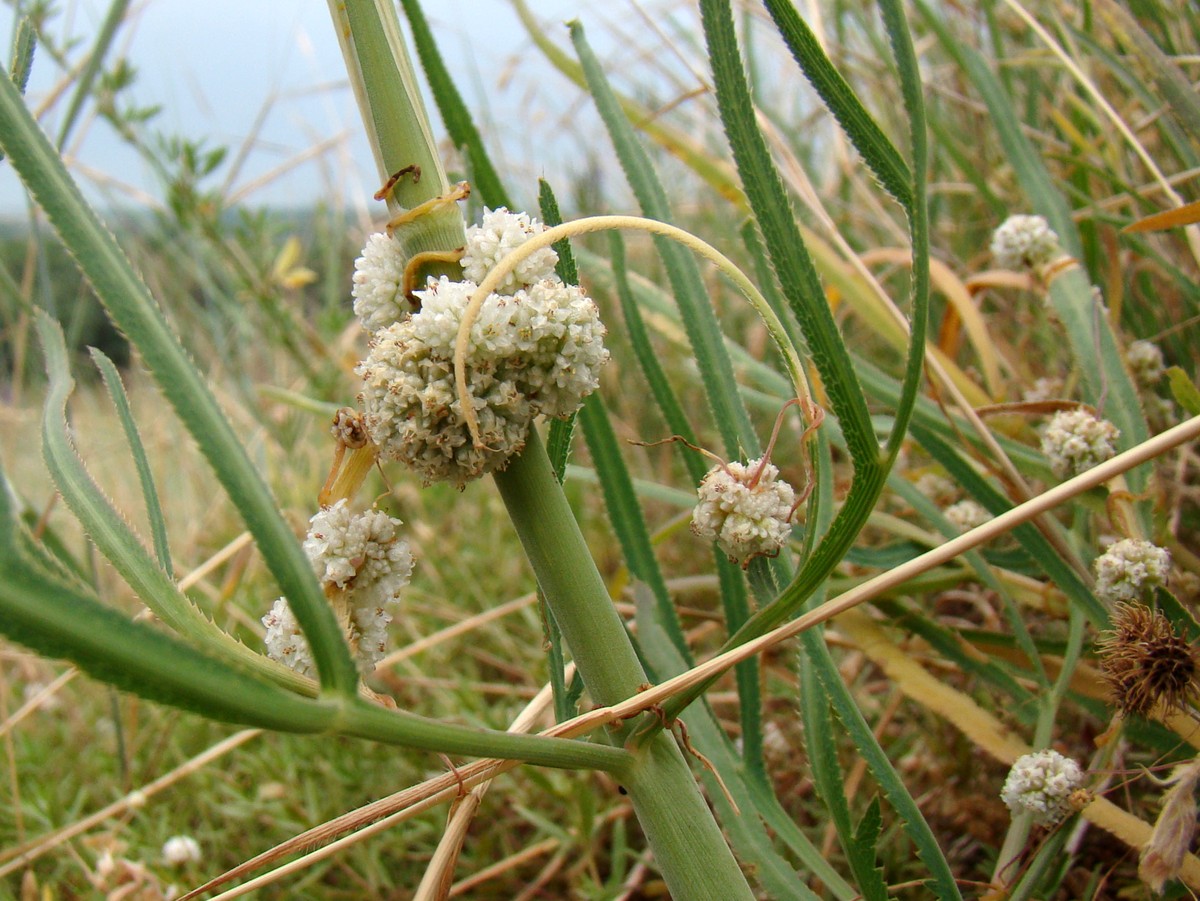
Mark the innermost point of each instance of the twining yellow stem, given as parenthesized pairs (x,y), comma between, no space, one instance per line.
(604,223)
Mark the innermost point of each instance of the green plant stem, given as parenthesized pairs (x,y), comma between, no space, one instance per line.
(687,843)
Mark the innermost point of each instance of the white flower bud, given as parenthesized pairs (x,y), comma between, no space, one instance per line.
(1129,568)
(1024,242)
(1075,441)
(1042,784)
(378,283)
(500,234)
(179,850)
(746,508)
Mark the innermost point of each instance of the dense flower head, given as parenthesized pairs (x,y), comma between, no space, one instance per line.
(538,351)
(1042,784)
(1145,361)
(1076,440)
(746,508)
(500,233)
(359,550)
(1024,242)
(367,634)
(967,515)
(1129,568)
(360,557)
(378,283)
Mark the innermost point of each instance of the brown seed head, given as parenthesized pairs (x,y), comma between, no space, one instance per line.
(1146,663)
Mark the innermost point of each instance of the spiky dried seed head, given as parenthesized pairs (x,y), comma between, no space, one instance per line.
(1145,662)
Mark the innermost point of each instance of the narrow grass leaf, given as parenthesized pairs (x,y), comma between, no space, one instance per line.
(47,616)
(116,540)
(800,284)
(876,150)
(1105,382)
(826,769)
(134,311)
(785,245)
(92,68)
(154,513)
(704,332)
(864,844)
(918,217)
(941,880)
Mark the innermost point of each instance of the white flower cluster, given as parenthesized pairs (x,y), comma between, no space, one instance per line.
(535,350)
(1076,440)
(378,283)
(1042,784)
(361,555)
(179,850)
(746,508)
(1145,362)
(935,486)
(1130,567)
(1024,242)
(1043,389)
(967,515)
(500,233)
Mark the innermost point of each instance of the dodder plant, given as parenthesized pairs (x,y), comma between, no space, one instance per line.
(477,332)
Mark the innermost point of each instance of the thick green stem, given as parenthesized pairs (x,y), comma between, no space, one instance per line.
(685,838)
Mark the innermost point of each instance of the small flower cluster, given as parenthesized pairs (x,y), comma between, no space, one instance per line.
(967,515)
(1076,440)
(1129,568)
(1024,242)
(180,850)
(1044,784)
(746,508)
(1146,363)
(359,556)
(378,283)
(498,235)
(536,348)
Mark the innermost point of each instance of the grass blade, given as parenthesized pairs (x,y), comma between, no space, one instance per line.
(704,333)
(877,151)
(158,524)
(132,309)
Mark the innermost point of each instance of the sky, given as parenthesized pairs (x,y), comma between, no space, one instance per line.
(224,70)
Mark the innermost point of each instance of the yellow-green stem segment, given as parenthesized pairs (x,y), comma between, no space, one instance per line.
(688,845)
